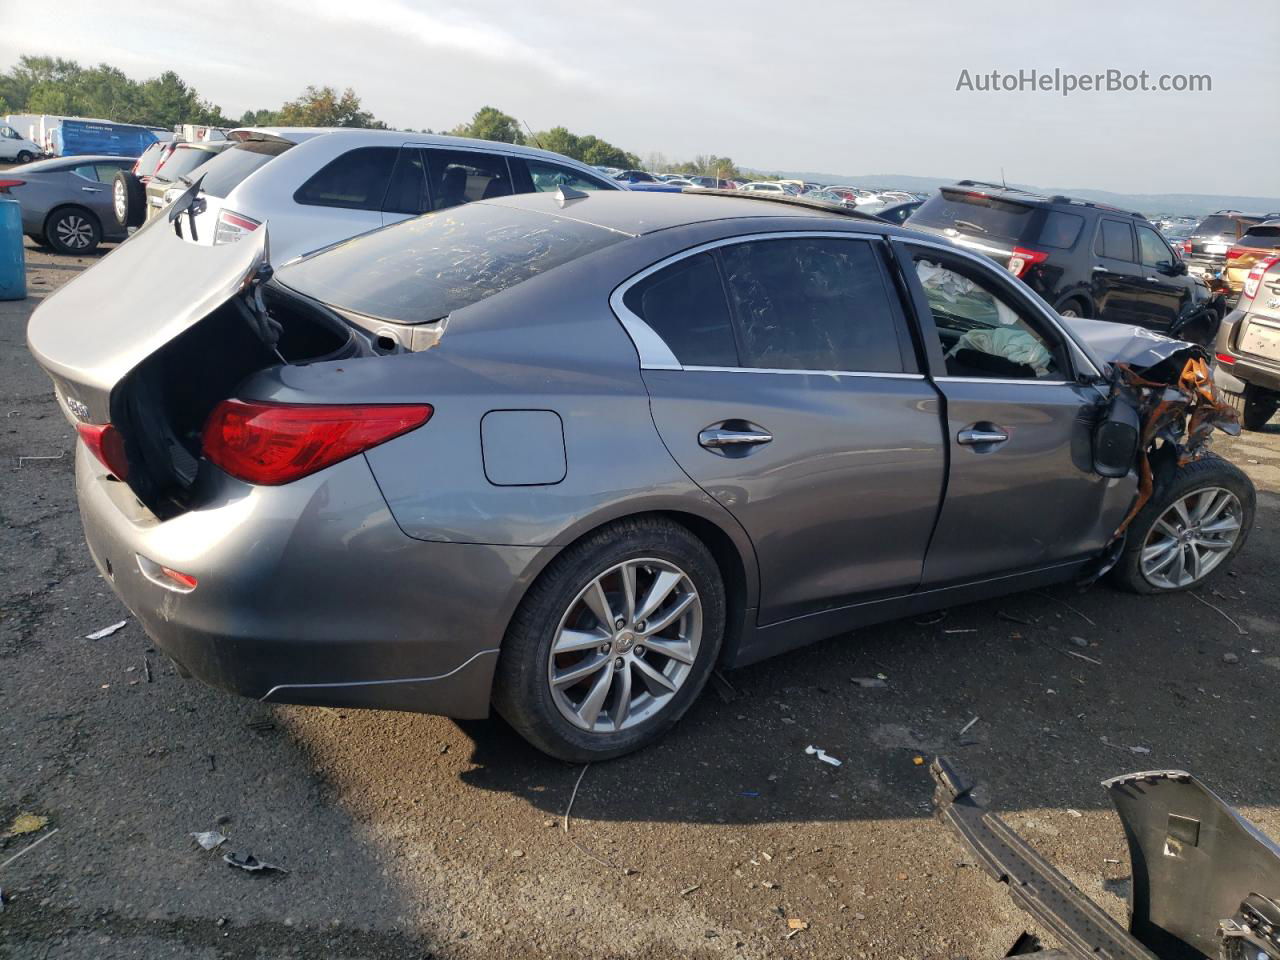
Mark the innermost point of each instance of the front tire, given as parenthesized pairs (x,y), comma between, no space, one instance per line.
(73,230)
(25,156)
(613,642)
(1255,407)
(1188,531)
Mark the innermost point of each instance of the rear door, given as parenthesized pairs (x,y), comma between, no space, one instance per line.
(455,177)
(783,381)
(1118,283)
(1021,491)
(343,198)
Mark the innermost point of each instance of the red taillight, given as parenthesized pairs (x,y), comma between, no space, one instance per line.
(1226,358)
(1186,248)
(1022,260)
(6,184)
(105,442)
(232,226)
(180,578)
(273,443)
(1234,252)
(1254,279)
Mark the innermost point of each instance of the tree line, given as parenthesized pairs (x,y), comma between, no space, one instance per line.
(53,85)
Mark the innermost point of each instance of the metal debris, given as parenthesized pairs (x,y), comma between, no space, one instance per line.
(25,850)
(1239,629)
(209,839)
(1081,656)
(251,864)
(822,755)
(28,459)
(688,890)
(870,682)
(967,727)
(105,631)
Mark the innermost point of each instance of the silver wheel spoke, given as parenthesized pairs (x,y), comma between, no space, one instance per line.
(1207,544)
(599,604)
(655,679)
(1227,524)
(590,708)
(671,616)
(572,641)
(665,582)
(1191,538)
(1160,556)
(579,671)
(628,574)
(669,648)
(1180,508)
(622,703)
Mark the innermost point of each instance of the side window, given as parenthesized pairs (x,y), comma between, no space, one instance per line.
(547,177)
(106,172)
(980,334)
(456,177)
(1154,251)
(86,170)
(684,304)
(1115,240)
(408,190)
(812,303)
(357,180)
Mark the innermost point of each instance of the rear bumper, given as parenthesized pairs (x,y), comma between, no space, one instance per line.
(1247,369)
(310,593)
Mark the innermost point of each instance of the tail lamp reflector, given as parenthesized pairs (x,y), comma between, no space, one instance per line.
(107,445)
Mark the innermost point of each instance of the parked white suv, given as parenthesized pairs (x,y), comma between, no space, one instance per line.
(316,186)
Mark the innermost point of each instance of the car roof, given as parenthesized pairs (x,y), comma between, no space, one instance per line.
(358,135)
(636,213)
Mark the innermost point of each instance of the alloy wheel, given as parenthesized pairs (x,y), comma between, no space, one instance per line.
(625,646)
(1191,538)
(74,231)
(120,199)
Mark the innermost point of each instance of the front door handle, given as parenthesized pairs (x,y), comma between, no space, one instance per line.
(973,436)
(719,438)
(92,189)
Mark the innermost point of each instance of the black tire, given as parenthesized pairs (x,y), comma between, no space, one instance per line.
(1074,307)
(522,692)
(25,156)
(1255,407)
(72,230)
(128,200)
(1210,471)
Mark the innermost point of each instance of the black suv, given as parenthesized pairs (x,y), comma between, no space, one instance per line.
(1085,259)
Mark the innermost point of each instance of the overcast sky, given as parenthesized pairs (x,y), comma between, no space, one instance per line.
(846,86)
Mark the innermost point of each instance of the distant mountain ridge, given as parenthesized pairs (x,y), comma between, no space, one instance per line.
(1150,204)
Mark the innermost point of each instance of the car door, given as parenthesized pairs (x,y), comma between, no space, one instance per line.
(456,176)
(1021,492)
(783,381)
(341,199)
(1167,288)
(1118,283)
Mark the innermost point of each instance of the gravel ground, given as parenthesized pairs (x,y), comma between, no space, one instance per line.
(411,836)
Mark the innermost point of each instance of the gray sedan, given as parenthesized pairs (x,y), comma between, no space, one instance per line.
(565,454)
(66,201)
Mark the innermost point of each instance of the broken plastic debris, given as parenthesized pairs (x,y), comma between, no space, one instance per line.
(251,863)
(105,631)
(794,923)
(209,839)
(25,823)
(918,760)
(822,755)
(1140,749)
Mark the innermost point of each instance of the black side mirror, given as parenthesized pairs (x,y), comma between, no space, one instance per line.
(1115,439)
(1176,269)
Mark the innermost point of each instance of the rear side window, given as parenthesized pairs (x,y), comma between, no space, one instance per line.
(456,177)
(685,305)
(229,169)
(420,270)
(1115,240)
(1060,229)
(812,303)
(1263,237)
(357,180)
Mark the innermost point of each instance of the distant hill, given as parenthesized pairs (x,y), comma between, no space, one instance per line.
(1195,204)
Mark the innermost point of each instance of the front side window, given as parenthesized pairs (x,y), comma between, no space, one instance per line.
(357,180)
(457,177)
(981,335)
(1154,251)
(812,303)
(548,177)
(1115,240)
(684,304)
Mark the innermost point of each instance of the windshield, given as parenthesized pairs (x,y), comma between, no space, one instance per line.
(976,213)
(228,169)
(182,161)
(424,269)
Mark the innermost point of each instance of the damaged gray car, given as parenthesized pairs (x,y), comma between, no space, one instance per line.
(565,454)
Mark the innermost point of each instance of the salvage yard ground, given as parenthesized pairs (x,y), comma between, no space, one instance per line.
(409,836)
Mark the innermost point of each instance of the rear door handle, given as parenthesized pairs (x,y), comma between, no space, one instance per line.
(718,438)
(972,436)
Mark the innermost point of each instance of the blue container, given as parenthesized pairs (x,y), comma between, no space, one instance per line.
(13,262)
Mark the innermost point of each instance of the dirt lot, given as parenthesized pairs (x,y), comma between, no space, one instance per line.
(410,836)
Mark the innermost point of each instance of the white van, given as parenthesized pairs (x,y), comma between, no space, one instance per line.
(15,148)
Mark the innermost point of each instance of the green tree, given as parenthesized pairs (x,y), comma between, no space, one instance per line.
(490,123)
(325,107)
(589,148)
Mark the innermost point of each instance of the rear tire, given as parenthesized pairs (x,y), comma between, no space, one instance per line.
(72,230)
(559,716)
(128,200)
(1071,307)
(1255,407)
(1199,505)
(25,156)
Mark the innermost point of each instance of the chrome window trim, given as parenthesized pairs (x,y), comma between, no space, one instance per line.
(1084,362)
(1024,382)
(653,350)
(691,368)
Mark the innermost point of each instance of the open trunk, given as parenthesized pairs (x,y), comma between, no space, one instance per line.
(150,345)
